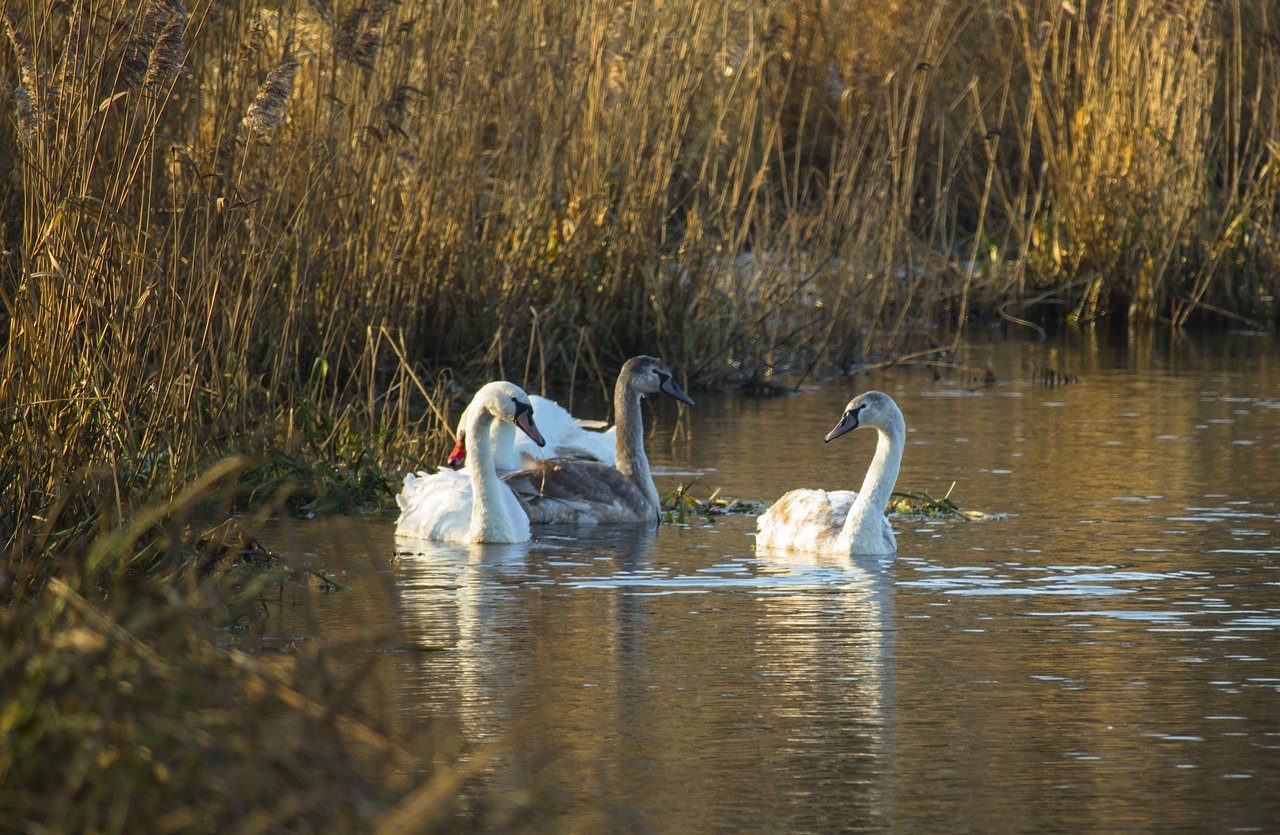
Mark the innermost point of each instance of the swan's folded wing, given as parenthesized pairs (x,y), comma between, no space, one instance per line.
(573,491)
(597,446)
(805,519)
(435,506)
(574,443)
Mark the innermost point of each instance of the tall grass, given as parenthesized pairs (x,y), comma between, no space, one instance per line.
(229,217)
(1133,156)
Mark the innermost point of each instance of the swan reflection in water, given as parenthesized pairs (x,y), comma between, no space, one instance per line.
(634,661)
(503,617)
(831,667)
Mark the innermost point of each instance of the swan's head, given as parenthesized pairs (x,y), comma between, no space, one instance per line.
(507,401)
(872,408)
(649,375)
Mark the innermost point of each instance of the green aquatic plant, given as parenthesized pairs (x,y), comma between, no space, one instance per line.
(680,505)
(918,503)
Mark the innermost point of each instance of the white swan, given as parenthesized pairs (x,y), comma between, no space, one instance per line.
(471,505)
(842,521)
(578,491)
(566,436)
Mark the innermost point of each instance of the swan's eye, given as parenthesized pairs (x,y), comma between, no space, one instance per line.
(521,408)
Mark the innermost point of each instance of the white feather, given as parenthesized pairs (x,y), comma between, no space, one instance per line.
(567,436)
(437,506)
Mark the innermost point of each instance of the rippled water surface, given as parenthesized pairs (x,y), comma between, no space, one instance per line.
(1105,657)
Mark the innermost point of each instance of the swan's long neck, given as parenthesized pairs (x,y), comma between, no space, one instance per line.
(632,461)
(489,522)
(502,435)
(864,528)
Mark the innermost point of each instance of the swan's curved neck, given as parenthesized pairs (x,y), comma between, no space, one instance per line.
(632,460)
(489,522)
(502,435)
(864,527)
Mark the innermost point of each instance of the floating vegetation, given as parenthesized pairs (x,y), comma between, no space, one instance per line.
(680,505)
(327,583)
(920,504)
(229,540)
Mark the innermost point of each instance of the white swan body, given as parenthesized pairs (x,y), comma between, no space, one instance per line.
(842,521)
(577,491)
(471,505)
(566,437)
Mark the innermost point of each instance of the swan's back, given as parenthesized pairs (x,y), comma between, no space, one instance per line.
(811,521)
(571,491)
(437,506)
(805,520)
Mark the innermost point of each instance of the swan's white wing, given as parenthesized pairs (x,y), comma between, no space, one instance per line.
(436,506)
(805,520)
(574,491)
(565,435)
(592,445)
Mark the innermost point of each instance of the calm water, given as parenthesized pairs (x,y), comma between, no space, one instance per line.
(1106,657)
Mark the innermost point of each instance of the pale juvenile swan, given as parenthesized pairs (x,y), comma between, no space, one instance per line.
(566,436)
(472,505)
(577,491)
(842,521)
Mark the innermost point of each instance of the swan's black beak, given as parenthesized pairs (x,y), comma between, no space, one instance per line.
(524,419)
(671,388)
(848,423)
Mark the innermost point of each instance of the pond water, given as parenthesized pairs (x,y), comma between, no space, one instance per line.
(1104,657)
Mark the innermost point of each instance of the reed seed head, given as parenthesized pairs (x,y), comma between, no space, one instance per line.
(166,57)
(360,37)
(367,47)
(349,32)
(266,113)
(150,26)
(26,65)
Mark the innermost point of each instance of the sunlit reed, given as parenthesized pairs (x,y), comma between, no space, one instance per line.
(243,224)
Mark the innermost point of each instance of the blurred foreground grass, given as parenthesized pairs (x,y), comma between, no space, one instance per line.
(125,707)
